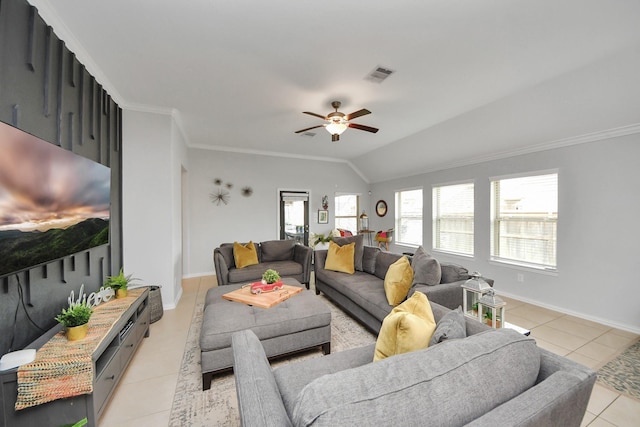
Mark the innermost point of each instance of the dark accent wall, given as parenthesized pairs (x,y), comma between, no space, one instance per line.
(45,91)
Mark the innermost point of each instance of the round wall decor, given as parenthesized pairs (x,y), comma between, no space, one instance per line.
(381,208)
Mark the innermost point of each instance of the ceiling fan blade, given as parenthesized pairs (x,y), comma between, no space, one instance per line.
(357,114)
(312,127)
(363,127)
(315,115)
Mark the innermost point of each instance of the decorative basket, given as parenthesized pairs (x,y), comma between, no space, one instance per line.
(155,303)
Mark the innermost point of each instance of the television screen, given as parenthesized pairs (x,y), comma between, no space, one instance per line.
(53,203)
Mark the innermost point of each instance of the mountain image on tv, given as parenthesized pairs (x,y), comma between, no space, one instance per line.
(19,249)
(53,203)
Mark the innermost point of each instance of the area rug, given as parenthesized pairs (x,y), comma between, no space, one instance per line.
(218,406)
(623,372)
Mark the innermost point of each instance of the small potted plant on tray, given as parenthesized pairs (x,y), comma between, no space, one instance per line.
(76,320)
(119,283)
(270,282)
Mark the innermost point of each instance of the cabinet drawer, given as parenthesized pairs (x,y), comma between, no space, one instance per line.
(106,382)
(127,348)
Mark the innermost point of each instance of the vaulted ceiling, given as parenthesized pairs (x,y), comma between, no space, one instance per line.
(473,80)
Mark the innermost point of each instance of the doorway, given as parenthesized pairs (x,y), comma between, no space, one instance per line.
(294,216)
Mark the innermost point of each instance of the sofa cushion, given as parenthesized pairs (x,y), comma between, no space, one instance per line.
(383,261)
(254,272)
(359,248)
(453,273)
(426,268)
(277,250)
(451,326)
(448,384)
(244,255)
(397,281)
(340,258)
(407,328)
(369,255)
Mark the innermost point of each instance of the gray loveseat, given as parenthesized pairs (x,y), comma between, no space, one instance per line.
(362,294)
(285,256)
(491,378)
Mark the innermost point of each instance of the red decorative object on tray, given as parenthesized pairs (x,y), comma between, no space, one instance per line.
(259,287)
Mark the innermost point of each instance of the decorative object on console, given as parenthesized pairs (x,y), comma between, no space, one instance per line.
(472,290)
(381,208)
(364,221)
(75,318)
(119,283)
(338,122)
(323,216)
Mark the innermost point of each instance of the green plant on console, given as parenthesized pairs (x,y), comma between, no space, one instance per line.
(271,276)
(75,315)
(120,281)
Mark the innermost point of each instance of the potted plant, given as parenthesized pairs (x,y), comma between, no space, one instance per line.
(489,318)
(75,319)
(119,283)
(270,276)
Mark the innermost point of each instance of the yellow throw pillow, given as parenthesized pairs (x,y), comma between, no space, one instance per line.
(407,328)
(245,255)
(398,280)
(341,258)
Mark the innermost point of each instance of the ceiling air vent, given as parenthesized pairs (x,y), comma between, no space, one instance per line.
(379,74)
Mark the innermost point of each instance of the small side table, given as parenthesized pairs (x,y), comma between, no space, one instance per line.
(368,233)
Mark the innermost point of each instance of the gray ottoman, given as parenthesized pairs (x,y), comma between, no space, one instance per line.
(296,324)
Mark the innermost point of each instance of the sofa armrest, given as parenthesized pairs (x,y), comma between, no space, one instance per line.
(222,270)
(259,400)
(302,255)
(446,294)
(319,258)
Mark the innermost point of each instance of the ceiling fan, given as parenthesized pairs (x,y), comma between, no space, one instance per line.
(338,122)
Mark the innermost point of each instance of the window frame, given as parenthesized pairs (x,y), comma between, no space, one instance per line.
(436,219)
(335,211)
(399,217)
(494,254)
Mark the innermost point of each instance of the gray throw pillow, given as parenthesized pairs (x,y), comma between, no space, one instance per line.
(277,250)
(359,250)
(426,269)
(452,326)
(453,273)
(369,259)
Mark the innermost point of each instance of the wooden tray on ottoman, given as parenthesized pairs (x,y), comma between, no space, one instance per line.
(265,299)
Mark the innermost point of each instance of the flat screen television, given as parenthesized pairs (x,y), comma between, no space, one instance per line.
(53,203)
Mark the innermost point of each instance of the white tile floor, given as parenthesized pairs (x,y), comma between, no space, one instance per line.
(145,394)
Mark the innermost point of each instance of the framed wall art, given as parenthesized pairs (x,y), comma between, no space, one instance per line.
(323,216)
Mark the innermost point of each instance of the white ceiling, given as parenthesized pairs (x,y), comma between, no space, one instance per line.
(475,79)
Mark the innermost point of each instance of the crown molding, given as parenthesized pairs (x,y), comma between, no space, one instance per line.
(550,145)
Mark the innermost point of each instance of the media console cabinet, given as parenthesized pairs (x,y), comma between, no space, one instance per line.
(110,360)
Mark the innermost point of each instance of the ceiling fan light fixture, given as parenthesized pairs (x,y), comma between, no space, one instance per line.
(336,128)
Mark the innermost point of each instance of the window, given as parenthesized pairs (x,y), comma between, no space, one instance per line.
(409,217)
(524,220)
(347,212)
(453,218)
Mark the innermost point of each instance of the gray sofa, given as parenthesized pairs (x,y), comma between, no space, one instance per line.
(491,378)
(285,256)
(362,294)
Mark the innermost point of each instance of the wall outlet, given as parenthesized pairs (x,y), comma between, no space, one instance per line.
(520,278)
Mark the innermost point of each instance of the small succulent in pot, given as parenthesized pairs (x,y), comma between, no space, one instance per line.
(270,276)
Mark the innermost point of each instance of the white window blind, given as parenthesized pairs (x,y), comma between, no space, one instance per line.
(453,218)
(409,217)
(347,212)
(524,220)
